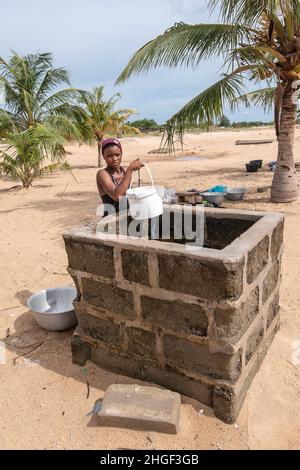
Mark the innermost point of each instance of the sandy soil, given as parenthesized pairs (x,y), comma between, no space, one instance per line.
(43,396)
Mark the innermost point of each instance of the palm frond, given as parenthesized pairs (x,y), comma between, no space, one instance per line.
(37,120)
(54,167)
(246,12)
(185,45)
(7,123)
(52,79)
(111,102)
(271,52)
(96,116)
(131,129)
(59,98)
(65,126)
(250,55)
(289,25)
(264,98)
(26,151)
(205,109)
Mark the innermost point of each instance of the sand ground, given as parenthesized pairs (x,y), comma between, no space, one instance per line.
(43,396)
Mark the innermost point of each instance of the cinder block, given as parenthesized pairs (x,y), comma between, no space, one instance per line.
(228,400)
(225,280)
(257,259)
(231,322)
(254,341)
(75,280)
(270,281)
(277,239)
(108,297)
(143,408)
(175,315)
(102,329)
(81,351)
(197,358)
(273,309)
(141,343)
(94,259)
(135,266)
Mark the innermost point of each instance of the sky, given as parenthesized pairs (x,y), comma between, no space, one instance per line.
(94,39)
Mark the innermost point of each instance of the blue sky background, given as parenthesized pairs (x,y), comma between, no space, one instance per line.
(94,39)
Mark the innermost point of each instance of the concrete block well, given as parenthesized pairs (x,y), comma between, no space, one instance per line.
(194,311)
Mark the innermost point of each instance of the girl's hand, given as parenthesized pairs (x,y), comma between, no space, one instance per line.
(136,165)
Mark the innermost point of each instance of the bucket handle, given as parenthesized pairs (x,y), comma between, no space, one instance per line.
(145,166)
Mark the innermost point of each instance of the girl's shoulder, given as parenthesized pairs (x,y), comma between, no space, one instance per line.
(102,172)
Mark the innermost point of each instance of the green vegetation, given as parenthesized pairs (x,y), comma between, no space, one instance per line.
(36,121)
(252,124)
(224,121)
(96,117)
(145,124)
(42,113)
(26,152)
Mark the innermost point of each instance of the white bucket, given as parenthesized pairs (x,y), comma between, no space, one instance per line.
(144,201)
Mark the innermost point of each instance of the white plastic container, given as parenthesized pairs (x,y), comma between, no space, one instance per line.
(144,201)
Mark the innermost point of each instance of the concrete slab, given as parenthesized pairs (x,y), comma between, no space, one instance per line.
(142,408)
(253,142)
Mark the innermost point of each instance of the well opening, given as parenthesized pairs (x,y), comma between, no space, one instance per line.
(175,227)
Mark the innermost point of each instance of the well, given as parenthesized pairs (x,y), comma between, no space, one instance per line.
(197,321)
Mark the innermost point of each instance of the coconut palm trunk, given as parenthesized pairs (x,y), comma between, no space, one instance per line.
(100,159)
(284,186)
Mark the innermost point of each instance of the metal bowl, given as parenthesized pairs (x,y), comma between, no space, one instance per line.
(53,308)
(213,198)
(235,194)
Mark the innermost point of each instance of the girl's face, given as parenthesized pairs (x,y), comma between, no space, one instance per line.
(112,156)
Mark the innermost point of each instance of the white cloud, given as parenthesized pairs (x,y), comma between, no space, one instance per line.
(94,39)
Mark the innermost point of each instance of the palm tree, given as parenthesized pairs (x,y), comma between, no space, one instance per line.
(34,108)
(259,41)
(97,117)
(26,152)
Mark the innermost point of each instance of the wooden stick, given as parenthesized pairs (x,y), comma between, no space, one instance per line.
(139,178)
(10,308)
(9,343)
(25,354)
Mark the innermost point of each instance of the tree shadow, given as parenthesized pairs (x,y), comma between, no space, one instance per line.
(52,350)
(221,173)
(41,186)
(84,167)
(35,346)
(23,295)
(260,200)
(17,187)
(71,209)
